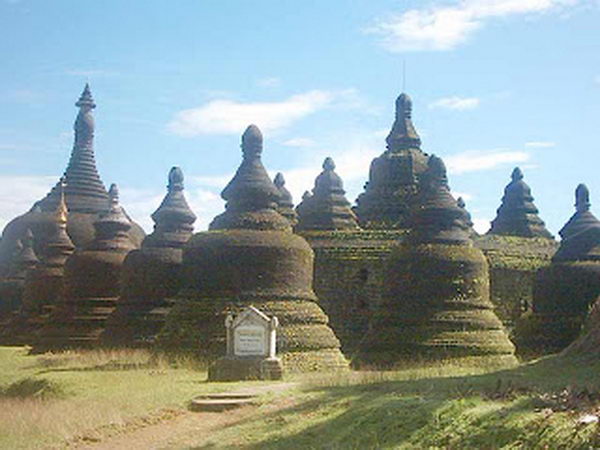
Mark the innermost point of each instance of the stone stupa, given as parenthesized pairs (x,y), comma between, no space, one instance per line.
(516,246)
(44,285)
(250,256)
(393,176)
(566,289)
(92,281)
(285,204)
(437,301)
(151,275)
(85,195)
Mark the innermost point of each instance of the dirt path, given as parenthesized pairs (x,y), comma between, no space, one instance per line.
(175,428)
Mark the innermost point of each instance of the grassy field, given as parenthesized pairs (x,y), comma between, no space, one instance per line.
(89,397)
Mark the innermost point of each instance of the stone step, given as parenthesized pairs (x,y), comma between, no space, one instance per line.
(221,401)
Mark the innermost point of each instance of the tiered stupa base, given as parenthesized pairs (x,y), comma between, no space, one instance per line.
(437,309)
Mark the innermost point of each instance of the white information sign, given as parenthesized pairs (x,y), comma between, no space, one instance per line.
(249,340)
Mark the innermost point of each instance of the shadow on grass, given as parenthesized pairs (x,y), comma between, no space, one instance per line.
(477,411)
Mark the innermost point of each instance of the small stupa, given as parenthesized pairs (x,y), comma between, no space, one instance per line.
(44,285)
(517,246)
(285,204)
(151,275)
(565,290)
(250,256)
(393,176)
(327,208)
(518,215)
(92,281)
(85,194)
(23,261)
(437,302)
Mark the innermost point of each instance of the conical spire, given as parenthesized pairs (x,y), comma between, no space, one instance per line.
(327,208)
(285,205)
(85,192)
(112,226)
(25,258)
(58,245)
(460,202)
(403,135)
(518,215)
(581,234)
(251,195)
(438,218)
(173,220)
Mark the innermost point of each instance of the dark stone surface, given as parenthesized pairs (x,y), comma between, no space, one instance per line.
(517,215)
(393,176)
(285,204)
(436,302)
(151,275)
(251,257)
(92,281)
(327,207)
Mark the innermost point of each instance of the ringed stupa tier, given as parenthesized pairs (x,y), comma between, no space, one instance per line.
(327,208)
(151,275)
(285,204)
(437,301)
(518,215)
(85,194)
(393,176)
(44,284)
(250,256)
(92,281)
(566,289)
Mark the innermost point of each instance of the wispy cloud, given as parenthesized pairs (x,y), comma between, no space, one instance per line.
(226,116)
(269,82)
(299,142)
(481,225)
(540,144)
(455,103)
(474,160)
(444,27)
(18,193)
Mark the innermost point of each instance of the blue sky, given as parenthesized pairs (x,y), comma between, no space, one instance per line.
(495,84)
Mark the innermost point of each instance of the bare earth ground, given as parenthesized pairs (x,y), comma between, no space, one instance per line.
(179,428)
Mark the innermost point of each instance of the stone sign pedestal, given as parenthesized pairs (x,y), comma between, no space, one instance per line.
(251,349)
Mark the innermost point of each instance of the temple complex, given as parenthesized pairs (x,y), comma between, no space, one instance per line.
(44,284)
(516,246)
(437,301)
(92,281)
(393,176)
(151,275)
(566,289)
(250,256)
(285,204)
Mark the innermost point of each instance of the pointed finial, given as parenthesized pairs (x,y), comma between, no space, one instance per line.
(403,107)
(403,135)
(61,209)
(279,180)
(113,196)
(582,198)
(252,142)
(175,179)
(517,174)
(86,100)
(328,164)
(461,203)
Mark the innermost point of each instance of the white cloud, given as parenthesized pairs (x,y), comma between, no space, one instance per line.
(269,82)
(18,194)
(443,27)
(466,197)
(474,161)
(299,142)
(481,225)
(455,103)
(232,117)
(540,144)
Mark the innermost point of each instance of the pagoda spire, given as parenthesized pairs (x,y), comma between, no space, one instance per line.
(112,226)
(285,204)
(403,135)
(84,190)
